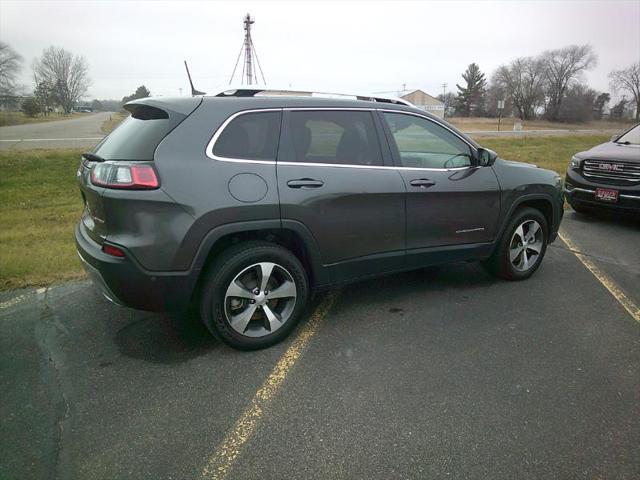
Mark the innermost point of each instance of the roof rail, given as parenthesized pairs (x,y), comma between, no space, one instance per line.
(246,91)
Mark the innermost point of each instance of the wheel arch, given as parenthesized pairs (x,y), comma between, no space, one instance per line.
(290,234)
(541,202)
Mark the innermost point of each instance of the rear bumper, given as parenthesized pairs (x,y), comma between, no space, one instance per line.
(579,191)
(124,282)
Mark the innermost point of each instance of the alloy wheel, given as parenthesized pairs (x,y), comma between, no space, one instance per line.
(526,245)
(260,299)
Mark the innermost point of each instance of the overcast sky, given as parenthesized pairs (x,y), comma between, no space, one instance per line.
(335,46)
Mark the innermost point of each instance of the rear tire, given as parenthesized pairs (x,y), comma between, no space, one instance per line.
(522,246)
(253,295)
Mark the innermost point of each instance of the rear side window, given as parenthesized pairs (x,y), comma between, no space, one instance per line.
(250,136)
(335,137)
(137,137)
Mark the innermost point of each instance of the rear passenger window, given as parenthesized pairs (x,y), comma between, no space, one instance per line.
(335,137)
(250,136)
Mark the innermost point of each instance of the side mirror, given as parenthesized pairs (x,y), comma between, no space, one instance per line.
(486,157)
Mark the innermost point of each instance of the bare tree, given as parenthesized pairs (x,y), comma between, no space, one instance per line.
(628,80)
(67,75)
(522,80)
(10,66)
(562,67)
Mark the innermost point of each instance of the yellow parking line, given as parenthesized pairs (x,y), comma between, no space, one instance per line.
(228,450)
(609,284)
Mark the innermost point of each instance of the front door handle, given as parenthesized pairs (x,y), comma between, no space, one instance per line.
(422,183)
(305,183)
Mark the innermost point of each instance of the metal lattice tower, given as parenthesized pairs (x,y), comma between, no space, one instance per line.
(249,72)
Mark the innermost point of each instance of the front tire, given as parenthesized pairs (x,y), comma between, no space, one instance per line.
(522,246)
(253,295)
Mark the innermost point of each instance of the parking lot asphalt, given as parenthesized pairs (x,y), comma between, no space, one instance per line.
(439,373)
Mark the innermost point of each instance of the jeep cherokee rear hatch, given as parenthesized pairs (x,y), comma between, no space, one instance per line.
(123,161)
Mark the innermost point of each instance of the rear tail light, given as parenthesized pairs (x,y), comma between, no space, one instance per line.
(125,176)
(113,251)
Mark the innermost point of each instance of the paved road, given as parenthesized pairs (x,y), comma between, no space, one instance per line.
(73,133)
(438,373)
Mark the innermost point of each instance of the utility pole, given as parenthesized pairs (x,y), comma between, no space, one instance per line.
(249,72)
(444,99)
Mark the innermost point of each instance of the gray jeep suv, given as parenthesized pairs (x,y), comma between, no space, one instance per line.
(245,203)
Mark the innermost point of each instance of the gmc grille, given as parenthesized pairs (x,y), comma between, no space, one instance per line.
(611,172)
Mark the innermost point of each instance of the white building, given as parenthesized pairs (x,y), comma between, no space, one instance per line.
(425,102)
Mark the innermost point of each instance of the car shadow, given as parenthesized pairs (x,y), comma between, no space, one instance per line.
(173,338)
(601,216)
(464,278)
(166,338)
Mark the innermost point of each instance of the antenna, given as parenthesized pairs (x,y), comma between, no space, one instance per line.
(194,92)
(249,73)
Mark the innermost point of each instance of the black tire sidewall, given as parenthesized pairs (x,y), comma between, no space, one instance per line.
(222,273)
(502,264)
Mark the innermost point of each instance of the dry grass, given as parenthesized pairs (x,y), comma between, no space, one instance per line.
(39,206)
(19,118)
(114,120)
(553,153)
(486,124)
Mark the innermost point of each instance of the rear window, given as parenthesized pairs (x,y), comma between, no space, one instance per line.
(137,137)
(250,136)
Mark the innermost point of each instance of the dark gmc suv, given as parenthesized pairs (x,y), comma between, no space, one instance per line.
(607,176)
(245,203)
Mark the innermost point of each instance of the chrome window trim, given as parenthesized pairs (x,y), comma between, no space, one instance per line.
(209,149)
(376,167)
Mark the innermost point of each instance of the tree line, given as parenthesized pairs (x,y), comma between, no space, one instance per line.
(550,85)
(60,79)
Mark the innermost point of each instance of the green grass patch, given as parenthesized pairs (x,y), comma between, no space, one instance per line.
(40,203)
(553,153)
(39,206)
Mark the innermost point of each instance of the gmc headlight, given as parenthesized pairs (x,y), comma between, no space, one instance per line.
(575,163)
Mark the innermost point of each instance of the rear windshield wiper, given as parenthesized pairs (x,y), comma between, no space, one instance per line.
(92,157)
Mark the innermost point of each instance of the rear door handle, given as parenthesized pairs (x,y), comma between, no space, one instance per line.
(305,183)
(422,183)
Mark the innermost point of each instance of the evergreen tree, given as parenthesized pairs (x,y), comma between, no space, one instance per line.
(470,99)
(598,105)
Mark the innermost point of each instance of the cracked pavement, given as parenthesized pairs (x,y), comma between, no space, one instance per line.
(442,372)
